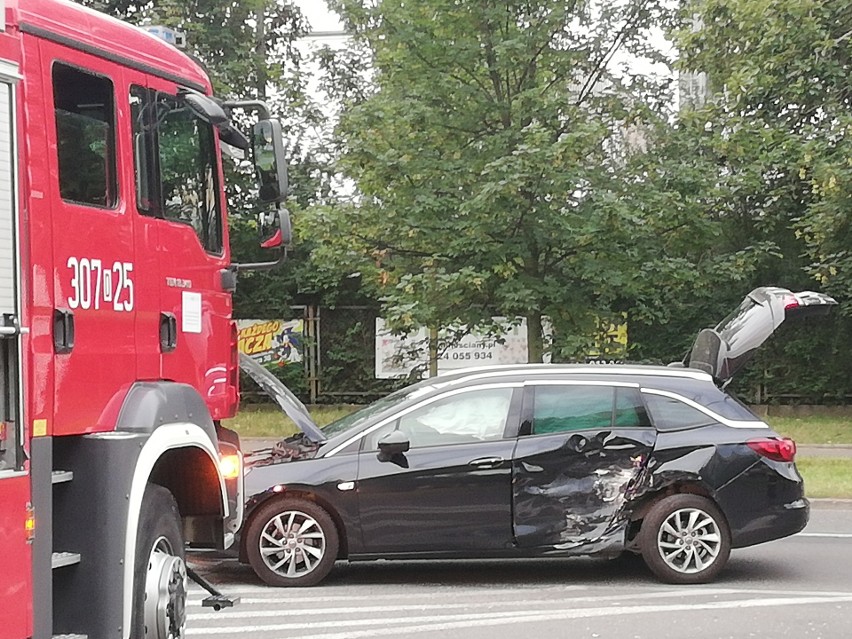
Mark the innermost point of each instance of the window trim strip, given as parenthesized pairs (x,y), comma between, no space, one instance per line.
(731,423)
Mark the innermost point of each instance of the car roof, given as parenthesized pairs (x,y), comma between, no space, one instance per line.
(565,370)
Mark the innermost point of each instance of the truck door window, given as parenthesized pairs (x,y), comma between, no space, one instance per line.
(176,169)
(85,136)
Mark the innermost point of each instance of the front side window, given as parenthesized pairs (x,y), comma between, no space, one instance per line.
(570,407)
(85,137)
(176,169)
(467,417)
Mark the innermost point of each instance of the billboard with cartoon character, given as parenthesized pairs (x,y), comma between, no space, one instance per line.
(272,343)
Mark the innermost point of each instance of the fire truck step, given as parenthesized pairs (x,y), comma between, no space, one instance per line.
(60,476)
(60,559)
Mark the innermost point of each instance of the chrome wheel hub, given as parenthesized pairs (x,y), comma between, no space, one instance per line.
(165,593)
(292,544)
(689,540)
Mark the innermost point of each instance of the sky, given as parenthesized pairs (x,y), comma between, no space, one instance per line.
(319,16)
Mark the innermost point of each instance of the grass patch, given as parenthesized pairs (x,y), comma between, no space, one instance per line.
(269,421)
(826,477)
(815,429)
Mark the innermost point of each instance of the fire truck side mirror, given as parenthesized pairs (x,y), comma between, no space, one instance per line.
(275,230)
(275,233)
(270,161)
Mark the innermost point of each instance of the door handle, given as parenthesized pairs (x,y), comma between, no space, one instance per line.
(486,462)
(63,330)
(168,332)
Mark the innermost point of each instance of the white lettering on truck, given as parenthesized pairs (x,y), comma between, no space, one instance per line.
(94,286)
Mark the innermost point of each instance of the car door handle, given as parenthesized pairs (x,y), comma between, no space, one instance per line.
(486,462)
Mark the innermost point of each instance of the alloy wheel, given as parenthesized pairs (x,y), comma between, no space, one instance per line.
(689,540)
(292,544)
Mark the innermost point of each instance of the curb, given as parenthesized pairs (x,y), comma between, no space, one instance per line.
(829,446)
(829,503)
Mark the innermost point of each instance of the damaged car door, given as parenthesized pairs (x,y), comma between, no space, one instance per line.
(582,449)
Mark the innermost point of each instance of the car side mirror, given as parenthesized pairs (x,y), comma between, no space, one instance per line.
(393,444)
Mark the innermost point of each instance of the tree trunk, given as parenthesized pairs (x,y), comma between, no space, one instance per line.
(535,340)
(260,53)
(433,351)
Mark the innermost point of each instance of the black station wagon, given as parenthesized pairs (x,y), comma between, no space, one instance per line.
(534,460)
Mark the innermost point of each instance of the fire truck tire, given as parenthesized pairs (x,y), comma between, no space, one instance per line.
(292,543)
(159,578)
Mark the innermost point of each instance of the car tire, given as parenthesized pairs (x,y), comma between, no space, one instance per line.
(685,539)
(292,543)
(159,579)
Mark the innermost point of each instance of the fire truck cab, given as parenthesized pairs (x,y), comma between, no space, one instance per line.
(117,348)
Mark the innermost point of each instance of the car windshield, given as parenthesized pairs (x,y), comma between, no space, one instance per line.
(363,414)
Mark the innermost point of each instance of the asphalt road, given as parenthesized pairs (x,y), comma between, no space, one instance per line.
(797,587)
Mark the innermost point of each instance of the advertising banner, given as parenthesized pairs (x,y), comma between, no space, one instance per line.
(273,343)
(397,356)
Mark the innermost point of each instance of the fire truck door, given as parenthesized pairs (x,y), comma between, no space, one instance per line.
(180,198)
(95,273)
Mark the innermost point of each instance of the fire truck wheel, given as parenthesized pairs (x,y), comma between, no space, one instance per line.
(292,542)
(159,578)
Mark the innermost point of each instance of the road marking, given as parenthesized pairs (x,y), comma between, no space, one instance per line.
(272,592)
(827,535)
(408,625)
(286,595)
(242,614)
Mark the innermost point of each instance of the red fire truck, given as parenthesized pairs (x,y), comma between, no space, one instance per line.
(117,349)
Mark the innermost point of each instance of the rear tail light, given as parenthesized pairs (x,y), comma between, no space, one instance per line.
(783,450)
(791,301)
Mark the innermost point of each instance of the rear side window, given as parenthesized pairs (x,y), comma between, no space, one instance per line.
(558,409)
(706,394)
(84,109)
(672,414)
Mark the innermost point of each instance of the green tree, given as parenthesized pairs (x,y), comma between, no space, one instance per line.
(507,163)
(777,121)
(780,114)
